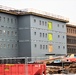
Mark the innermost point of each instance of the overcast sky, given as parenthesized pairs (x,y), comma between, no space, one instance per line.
(66,8)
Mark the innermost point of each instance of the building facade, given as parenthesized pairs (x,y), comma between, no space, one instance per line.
(42,36)
(8,35)
(31,34)
(71,39)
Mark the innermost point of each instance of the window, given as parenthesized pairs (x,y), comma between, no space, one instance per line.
(0,18)
(34,20)
(58,25)
(49,25)
(72,50)
(50,37)
(0,31)
(71,30)
(12,45)
(40,46)
(4,18)
(34,33)
(11,20)
(39,22)
(7,19)
(43,34)
(43,46)
(62,26)
(58,47)
(63,47)
(7,32)
(35,45)
(58,36)
(4,45)
(45,23)
(67,29)
(40,34)
(42,22)
(15,20)
(2,26)
(63,36)
(8,45)
(75,31)
(46,35)
(12,32)
(46,46)
(15,33)
(1,45)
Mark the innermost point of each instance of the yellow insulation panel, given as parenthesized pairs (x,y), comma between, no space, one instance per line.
(50,48)
(50,37)
(49,25)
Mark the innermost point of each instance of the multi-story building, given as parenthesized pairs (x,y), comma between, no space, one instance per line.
(71,39)
(31,33)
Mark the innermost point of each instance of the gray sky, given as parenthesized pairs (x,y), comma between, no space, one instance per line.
(64,8)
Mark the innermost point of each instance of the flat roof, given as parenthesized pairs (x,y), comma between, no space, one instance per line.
(71,25)
(35,12)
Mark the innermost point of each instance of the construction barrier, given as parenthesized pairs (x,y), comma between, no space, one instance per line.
(22,69)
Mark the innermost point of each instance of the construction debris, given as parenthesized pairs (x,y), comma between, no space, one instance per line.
(67,69)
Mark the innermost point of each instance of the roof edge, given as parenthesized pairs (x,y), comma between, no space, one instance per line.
(44,14)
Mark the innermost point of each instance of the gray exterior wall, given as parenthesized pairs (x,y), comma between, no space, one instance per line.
(36,40)
(24,36)
(20,36)
(8,35)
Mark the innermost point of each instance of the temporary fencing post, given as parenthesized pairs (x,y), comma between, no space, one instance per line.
(26,65)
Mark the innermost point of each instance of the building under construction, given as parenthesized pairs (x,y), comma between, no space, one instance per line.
(31,33)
